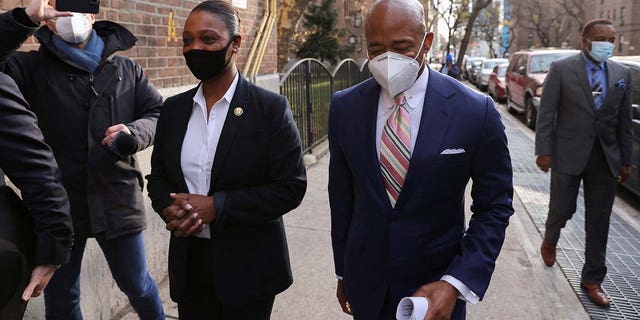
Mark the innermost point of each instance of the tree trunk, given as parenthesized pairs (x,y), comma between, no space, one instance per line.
(289,13)
(468,30)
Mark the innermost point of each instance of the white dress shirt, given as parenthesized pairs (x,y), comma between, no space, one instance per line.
(201,141)
(415,96)
(415,99)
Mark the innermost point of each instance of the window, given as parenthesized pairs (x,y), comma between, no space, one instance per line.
(614,15)
(608,14)
(620,43)
(522,63)
(601,15)
(622,16)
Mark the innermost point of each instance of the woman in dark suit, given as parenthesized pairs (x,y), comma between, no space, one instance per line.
(227,164)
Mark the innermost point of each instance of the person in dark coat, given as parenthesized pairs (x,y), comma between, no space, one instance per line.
(227,153)
(404,145)
(28,162)
(449,68)
(84,95)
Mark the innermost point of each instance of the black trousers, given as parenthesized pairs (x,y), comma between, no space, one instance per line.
(599,193)
(201,301)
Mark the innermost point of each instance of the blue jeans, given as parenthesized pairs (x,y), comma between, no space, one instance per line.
(127,262)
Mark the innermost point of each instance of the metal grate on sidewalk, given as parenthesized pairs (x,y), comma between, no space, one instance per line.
(623,247)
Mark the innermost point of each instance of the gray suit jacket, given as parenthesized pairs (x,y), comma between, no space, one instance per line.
(568,121)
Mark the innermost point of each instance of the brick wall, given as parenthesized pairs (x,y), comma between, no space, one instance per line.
(160,55)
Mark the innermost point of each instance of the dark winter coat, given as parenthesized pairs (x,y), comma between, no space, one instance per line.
(75,107)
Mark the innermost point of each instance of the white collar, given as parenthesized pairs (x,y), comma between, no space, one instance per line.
(199,99)
(418,89)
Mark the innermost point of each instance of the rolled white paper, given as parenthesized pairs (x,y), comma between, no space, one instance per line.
(412,308)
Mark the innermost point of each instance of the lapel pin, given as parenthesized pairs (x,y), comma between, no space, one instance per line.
(238,111)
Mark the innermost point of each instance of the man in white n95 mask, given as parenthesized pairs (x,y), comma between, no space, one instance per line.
(403,146)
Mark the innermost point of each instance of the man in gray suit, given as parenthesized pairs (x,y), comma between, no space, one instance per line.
(584,134)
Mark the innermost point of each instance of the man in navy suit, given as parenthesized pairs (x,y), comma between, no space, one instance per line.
(403,147)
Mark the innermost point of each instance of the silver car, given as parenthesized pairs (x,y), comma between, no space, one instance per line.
(485,72)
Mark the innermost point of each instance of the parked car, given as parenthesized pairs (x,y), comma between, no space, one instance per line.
(525,76)
(485,72)
(469,65)
(633,63)
(475,71)
(496,87)
(463,75)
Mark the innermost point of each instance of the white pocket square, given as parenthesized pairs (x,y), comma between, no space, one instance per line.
(452,151)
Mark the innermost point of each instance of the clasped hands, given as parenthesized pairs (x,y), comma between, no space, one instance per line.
(188,214)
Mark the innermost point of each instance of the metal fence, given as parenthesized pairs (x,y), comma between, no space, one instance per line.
(309,84)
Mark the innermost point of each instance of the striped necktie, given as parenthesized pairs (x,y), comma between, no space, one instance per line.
(394,149)
(596,87)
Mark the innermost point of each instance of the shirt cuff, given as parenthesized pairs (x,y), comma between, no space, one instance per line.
(464,293)
(339,277)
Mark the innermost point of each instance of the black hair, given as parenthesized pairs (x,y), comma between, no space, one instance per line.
(225,11)
(586,30)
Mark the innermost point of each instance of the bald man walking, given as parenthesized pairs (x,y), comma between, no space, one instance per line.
(404,145)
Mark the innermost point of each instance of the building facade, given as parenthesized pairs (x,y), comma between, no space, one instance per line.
(158,26)
(625,16)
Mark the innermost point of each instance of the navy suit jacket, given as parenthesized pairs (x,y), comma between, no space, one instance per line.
(257,176)
(380,249)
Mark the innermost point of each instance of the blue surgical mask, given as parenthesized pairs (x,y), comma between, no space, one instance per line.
(601,50)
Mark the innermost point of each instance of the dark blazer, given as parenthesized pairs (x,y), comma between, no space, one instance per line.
(378,248)
(257,176)
(30,165)
(568,121)
(75,107)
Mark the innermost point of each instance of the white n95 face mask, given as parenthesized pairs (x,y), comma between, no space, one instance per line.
(395,72)
(74,29)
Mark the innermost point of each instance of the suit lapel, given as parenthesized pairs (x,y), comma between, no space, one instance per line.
(365,120)
(180,123)
(436,118)
(231,125)
(581,71)
(613,75)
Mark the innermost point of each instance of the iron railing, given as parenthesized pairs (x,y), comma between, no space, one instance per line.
(309,84)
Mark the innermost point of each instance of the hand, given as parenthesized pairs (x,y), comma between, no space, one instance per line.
(40,277)
(344,304)
(543,162)
(625,171)
(174,212)
(112,131)
(189,214)
(442,299)
(40,10)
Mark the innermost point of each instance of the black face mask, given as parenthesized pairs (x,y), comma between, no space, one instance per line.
(206,64)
